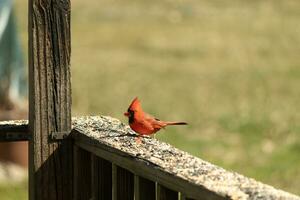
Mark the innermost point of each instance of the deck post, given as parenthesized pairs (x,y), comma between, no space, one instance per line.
(50,161)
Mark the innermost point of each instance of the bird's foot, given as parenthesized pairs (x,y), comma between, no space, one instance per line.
(138,140)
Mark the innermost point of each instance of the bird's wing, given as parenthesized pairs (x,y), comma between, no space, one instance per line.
(154,122)
(147,124)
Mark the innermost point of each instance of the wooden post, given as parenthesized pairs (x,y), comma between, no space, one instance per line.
(50,170)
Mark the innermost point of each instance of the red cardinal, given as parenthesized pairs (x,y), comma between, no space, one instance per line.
(143,123)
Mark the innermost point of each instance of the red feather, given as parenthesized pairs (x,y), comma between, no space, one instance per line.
(143,123)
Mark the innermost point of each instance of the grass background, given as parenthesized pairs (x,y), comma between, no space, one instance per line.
(229,68)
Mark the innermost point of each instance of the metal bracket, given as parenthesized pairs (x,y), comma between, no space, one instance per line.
(59,135)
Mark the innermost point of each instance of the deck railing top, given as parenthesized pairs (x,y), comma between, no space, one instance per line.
(160,162)
(157,161)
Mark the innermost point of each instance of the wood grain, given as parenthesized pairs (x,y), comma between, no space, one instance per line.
(164,193)
(159,162)
(15,130)
(144,189)
(101,179)
(82,174)
(184,197)
(51,170)
(123,184)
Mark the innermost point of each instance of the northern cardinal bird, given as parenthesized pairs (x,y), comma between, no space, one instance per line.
(143,123)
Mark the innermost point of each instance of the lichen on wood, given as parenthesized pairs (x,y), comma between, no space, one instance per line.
(114,136)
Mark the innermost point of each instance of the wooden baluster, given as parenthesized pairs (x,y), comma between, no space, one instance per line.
(184,197)
(123,184)
(164,193)
(101,179)
(82,174)
(144,189)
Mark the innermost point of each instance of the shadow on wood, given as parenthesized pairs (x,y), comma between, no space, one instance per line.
(53,178)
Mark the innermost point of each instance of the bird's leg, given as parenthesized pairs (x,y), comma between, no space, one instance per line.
(152,136)
(138,140)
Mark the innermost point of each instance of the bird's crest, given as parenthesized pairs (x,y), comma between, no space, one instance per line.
(135,104)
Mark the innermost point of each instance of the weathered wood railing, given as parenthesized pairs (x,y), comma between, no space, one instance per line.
(99,159)
(109,164)
(151,170)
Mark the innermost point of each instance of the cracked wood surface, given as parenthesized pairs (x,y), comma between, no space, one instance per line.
(50,163)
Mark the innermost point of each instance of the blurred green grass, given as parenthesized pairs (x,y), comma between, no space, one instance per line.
(13,191)
(229,68)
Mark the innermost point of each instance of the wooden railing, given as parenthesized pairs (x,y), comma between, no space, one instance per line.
(99,158)
(108,163)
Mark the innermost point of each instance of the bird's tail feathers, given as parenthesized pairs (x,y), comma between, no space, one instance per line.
(176,123)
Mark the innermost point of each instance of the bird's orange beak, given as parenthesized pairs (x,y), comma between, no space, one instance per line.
(126,114)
